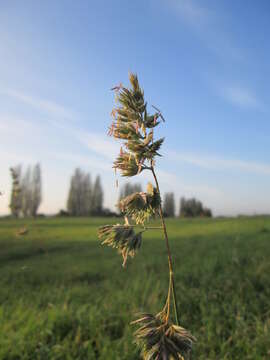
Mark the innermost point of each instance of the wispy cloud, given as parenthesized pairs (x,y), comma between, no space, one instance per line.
(9,158)
(209,26)
(175,183)
(48,106)
(240,96)
(15,126)
(88,161)
(108,149)
(191,12)
(99,144)
(220,163)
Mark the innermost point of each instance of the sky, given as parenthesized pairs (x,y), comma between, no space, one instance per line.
(205,64)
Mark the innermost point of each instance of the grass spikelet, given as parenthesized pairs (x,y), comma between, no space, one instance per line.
(140,206)
(159,339)
(121,237)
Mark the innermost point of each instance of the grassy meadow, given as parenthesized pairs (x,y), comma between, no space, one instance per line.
(64,296)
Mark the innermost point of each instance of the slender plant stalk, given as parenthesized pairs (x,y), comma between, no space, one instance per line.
(170,263)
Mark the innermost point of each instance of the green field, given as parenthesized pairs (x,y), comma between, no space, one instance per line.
(64,296)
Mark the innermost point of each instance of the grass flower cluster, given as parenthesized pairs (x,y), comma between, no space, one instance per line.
(140,206)
(158,336)
(122,238)
(160,339)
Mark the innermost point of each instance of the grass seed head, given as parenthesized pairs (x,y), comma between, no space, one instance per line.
(159,339)
(121,237)
(140,206)
(128,164)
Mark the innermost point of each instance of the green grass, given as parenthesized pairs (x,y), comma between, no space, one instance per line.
(63,296)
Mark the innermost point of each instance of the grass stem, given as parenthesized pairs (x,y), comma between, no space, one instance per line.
(170,263)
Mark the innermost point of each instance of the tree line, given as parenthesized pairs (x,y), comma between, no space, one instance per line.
(187,208)
(85,198)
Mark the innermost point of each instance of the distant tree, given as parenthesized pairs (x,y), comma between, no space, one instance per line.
(193,208)
(62,213)
(26,193)
(108,213)
(169,205)
(83,198)
(207,212)
(88,192)
(97,197)
(80,192)
(36,190)
(76,201)
(16,199)
(71,198)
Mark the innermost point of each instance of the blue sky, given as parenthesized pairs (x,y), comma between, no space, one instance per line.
(204,63)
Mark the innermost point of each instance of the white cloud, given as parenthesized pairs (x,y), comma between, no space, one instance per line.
(174,182)
(88,161)
(191,12)
(241,96)
(15,127)
(47,106)
(219,163)
(108,148)
(99,144)
(209,25)
(102,153)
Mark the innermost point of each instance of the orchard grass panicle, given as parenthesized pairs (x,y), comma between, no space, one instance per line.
(159,337)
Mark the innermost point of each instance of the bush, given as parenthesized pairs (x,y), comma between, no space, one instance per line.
(193,208)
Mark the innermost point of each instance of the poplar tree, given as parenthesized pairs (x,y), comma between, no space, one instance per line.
(83,198)
(76,198)
(71,198)
(88,192)
(97,197)
(160,336)
(36,190)
(26,193)
(15,199)
(169,205)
